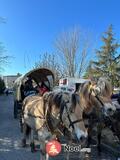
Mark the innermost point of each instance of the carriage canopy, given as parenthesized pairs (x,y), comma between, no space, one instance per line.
(37,75)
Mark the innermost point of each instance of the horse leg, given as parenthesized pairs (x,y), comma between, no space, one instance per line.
(89,138)
(41,138)
(32,144)
(24,135)
(47,155)
(67,155)
(43,155)
(21,121)
(99,133)
(99,141)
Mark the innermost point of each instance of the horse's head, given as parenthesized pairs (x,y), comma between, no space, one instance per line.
(65,107)
(97,95)
(103,92)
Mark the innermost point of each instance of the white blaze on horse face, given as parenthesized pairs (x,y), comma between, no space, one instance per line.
(80,130)
(109,109)
(75,114)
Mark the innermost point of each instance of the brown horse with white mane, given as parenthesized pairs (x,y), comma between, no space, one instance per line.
(56,113)
(95,98)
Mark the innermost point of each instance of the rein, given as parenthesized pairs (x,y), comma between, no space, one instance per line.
(59,129)
(99,100)
(71,122)
(56,125)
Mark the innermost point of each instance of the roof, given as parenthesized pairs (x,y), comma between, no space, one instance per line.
(39,74)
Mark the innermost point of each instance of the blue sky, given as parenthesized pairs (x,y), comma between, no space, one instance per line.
(32,25)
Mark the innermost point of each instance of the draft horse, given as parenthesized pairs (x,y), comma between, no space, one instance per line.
(56,113)
(95,98)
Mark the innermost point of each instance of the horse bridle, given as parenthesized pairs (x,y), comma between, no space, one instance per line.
(102,109)
(68,116)
(60,125)
(99,100)
(96,96)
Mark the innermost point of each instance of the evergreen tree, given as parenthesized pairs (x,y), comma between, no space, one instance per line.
(108,59)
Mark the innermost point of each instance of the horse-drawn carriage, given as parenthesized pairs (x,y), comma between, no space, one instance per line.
(64,110)
(35,78)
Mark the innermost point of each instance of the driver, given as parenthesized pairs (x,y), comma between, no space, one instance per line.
(28,86)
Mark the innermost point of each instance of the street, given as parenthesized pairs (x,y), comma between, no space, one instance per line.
(10,137)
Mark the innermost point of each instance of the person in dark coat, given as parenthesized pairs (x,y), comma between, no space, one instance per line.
(28,86)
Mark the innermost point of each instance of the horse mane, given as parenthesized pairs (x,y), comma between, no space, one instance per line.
(53,99)
(105,86)
(85,88)
(86,97)
(84,94)
(59,100)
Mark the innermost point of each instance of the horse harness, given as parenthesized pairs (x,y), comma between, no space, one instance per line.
(63,130)
(49,119)
(68,115)
(102,118)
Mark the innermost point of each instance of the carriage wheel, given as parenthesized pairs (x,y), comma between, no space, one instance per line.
(15,109)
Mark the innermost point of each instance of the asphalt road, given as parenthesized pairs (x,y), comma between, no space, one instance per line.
(10,138)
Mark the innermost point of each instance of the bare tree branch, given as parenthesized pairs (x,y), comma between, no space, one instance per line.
(50,61)
(4,59)
(73,51)
(67,45)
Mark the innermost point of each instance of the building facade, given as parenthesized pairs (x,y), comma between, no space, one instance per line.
(9,80)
